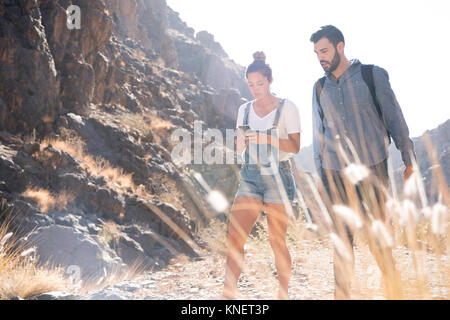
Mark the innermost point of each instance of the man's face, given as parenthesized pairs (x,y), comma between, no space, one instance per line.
(327,54)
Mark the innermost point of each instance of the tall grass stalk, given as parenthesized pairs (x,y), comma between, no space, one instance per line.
(20,275)
(405,228)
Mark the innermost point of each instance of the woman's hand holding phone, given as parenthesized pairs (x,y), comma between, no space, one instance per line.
(257,137)
(241,139)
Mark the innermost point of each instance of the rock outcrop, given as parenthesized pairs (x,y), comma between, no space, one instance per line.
(86,117)
(29,86)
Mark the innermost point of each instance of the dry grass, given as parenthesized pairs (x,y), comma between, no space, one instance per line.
(136,121)
(26,280)
(424,273)
(161,129)
(147,125)
(116,178)
(20,276)
(215,236)
(168,191)
(157,123)
(110,231)
(414,240)
(46,201)
(114,277)
(415,235)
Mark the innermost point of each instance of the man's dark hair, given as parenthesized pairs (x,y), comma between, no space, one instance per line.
(333,34)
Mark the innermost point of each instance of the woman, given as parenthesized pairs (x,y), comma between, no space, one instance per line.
(263,186)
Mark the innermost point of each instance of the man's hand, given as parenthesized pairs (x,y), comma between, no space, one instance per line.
(408,172)
(321,190)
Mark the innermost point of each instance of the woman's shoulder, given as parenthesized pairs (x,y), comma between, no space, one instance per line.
(289,105)
(243,106)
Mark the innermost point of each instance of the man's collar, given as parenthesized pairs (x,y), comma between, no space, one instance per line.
(354,66)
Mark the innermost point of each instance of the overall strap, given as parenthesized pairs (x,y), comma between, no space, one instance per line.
(245,122)
(246,112)
(277,115)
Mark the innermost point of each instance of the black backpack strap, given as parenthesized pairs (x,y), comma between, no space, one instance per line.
(319,86)
(367,75)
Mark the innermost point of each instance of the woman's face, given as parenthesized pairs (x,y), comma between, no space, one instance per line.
(258,84)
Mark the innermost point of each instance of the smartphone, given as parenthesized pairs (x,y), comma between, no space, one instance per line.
(244,127)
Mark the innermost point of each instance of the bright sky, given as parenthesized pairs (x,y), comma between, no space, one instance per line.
(410,39)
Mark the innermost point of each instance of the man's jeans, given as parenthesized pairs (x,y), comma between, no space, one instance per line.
(336,186)
(370,197)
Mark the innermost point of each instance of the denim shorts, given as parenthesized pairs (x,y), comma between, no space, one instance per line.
(264,187)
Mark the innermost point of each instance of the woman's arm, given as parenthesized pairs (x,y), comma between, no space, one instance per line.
(292,144)
(241,142)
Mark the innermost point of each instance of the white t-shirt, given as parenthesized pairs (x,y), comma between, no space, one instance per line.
(289,122)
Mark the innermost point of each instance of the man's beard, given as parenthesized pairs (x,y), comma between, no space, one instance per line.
(334,63)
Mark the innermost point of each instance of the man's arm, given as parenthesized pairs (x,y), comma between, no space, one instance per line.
(393,118)
(318,133)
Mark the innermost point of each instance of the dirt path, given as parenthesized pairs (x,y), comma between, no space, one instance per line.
(312,273)
(203,279)
(312,276)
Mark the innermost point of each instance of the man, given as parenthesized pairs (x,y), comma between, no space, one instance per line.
(355,113)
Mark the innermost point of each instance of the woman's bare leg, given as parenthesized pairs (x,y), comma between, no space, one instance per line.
(277,220)
(244,214)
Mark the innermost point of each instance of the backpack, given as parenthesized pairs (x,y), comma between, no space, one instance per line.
(367,75)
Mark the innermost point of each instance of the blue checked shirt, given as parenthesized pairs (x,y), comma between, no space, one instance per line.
(351,128)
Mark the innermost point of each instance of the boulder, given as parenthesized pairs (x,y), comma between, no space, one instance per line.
(65,246)
(109,293)
(56,295)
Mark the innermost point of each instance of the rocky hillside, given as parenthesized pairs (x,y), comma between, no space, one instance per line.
(86,117)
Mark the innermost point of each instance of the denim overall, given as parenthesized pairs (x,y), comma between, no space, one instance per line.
(262,175)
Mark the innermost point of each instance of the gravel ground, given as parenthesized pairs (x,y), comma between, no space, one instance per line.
(312,274)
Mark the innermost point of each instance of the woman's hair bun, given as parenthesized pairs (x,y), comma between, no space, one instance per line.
(259,65)
(259,56)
